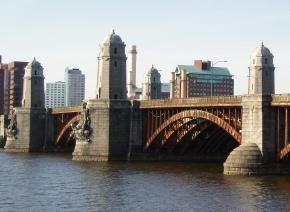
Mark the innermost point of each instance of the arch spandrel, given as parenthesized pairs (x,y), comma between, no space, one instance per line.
(195,114)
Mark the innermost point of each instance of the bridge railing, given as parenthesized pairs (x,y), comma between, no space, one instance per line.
(193,102)
(280,100)
(75,109)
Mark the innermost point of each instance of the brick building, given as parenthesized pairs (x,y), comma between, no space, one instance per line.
(11,85)
(201,79)
(14,92)
(3,85)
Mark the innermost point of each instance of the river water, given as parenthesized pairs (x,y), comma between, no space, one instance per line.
(48,182)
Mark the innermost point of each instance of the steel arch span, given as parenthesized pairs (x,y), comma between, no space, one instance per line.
(67,127)
(193,114)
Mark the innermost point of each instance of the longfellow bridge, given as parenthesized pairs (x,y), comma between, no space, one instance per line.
(249,133)
(203,125)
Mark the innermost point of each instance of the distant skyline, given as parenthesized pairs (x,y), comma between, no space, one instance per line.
(67,33)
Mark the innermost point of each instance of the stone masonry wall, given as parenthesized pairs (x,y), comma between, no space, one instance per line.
(259,124)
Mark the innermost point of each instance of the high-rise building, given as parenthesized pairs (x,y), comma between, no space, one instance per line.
(55,94)
(75,87)
(14,93)
(201,79)
(3,85)
(11,85)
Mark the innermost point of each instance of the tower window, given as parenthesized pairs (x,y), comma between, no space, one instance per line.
(35,72)
(116,64)
(115,96)
(115,50)
(266,60)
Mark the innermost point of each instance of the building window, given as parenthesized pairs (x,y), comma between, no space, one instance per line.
(35,72)
(115,64)
(266,60)
(115,96)
(115,50)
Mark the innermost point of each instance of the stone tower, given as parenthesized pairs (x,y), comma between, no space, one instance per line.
(257,153)
(261,72)
(132,72)
(104,132)
(151,86)
(33,91)
(111,76)
(26,131)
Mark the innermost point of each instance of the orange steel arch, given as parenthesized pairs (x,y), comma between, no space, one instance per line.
(68,125)
(203,127)
(180,136)
(195,114)
(283,152)
(173,130)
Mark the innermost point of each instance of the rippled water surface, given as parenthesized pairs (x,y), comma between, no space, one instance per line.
(47,182)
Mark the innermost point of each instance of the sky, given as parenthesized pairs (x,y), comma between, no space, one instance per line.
(67,33)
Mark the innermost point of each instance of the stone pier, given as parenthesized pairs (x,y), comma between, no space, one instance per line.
(108,131)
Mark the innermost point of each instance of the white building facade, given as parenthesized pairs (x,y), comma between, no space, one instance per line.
(55,94)
(75,87)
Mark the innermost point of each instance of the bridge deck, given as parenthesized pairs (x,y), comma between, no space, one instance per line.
(216,101)
(62,110)
(280,100)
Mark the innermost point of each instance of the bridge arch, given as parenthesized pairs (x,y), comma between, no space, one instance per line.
(283,152)
(195,114)
(73,120)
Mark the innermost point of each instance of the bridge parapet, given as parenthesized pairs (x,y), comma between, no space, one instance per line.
(216,101)
(280,100)
(62,110)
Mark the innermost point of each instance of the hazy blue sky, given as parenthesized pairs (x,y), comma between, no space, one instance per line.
(61,33)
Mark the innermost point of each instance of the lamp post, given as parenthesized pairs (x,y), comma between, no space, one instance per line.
(212,65)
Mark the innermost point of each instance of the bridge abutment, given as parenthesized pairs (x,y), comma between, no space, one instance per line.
(257,152)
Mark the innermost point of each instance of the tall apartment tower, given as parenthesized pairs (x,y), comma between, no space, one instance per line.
(11,85)
(151,86)
(33,90)
(75,87)
(111,76)
(261,72)
(3,85)
(14,92)
(132,72)
(55,94)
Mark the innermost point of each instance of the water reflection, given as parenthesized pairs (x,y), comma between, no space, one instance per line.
(43,182)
